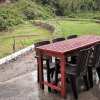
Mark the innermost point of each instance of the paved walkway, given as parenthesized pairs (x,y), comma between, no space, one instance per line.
(22,65)
(20,83)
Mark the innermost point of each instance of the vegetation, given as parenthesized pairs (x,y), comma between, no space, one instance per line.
(20,11)
(26,34)
(9,17)
(23,35)
(17,17)
(72,6)
(68,27)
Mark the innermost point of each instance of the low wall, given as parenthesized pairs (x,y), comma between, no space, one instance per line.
(16,54)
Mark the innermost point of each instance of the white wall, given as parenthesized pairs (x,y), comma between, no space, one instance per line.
(16,54)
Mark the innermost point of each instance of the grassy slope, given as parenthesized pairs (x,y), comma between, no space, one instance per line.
(66,28)
(63,28)
(6,38)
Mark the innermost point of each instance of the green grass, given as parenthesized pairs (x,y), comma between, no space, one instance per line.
(86,15)
(66,28)
(32,33)
(62,28)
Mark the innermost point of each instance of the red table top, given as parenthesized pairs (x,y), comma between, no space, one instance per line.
(70,45)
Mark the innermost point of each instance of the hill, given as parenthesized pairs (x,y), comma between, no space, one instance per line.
(15,13)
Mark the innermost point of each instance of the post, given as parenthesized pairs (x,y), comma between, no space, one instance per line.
(63,76)
(14,45)
(41,76)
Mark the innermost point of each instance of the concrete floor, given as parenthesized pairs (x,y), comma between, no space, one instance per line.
(18,82)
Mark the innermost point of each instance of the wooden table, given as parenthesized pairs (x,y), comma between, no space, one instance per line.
(61,50)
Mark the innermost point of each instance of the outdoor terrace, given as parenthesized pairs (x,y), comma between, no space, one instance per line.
(18,81)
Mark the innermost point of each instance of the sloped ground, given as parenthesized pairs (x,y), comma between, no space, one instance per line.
(18,82)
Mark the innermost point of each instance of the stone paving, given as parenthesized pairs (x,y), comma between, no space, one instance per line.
(22,65)
(16,84)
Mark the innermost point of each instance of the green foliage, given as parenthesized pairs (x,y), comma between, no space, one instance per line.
(31,10)
(20,10)
(76,6)
(65,7)
(9,17)
(14,13)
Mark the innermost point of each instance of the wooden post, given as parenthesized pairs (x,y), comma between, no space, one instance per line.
(14,45)
(63,76)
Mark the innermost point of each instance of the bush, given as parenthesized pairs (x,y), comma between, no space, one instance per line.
(9,17)
(16,12)
(3,24)
(29,13)
(30,10)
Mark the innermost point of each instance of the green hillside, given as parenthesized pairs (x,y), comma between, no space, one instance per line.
(18,30)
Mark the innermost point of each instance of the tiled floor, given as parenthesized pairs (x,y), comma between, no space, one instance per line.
(16,84)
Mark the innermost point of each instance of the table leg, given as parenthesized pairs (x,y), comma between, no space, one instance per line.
(63,76)
(37,72)
(41,76)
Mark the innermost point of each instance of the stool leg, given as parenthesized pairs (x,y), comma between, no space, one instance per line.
(98,72)
(86,82)
(74,86)
(48,74)
(56,73)
(90,76)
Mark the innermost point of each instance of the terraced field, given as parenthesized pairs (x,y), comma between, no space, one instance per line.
(24,35)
